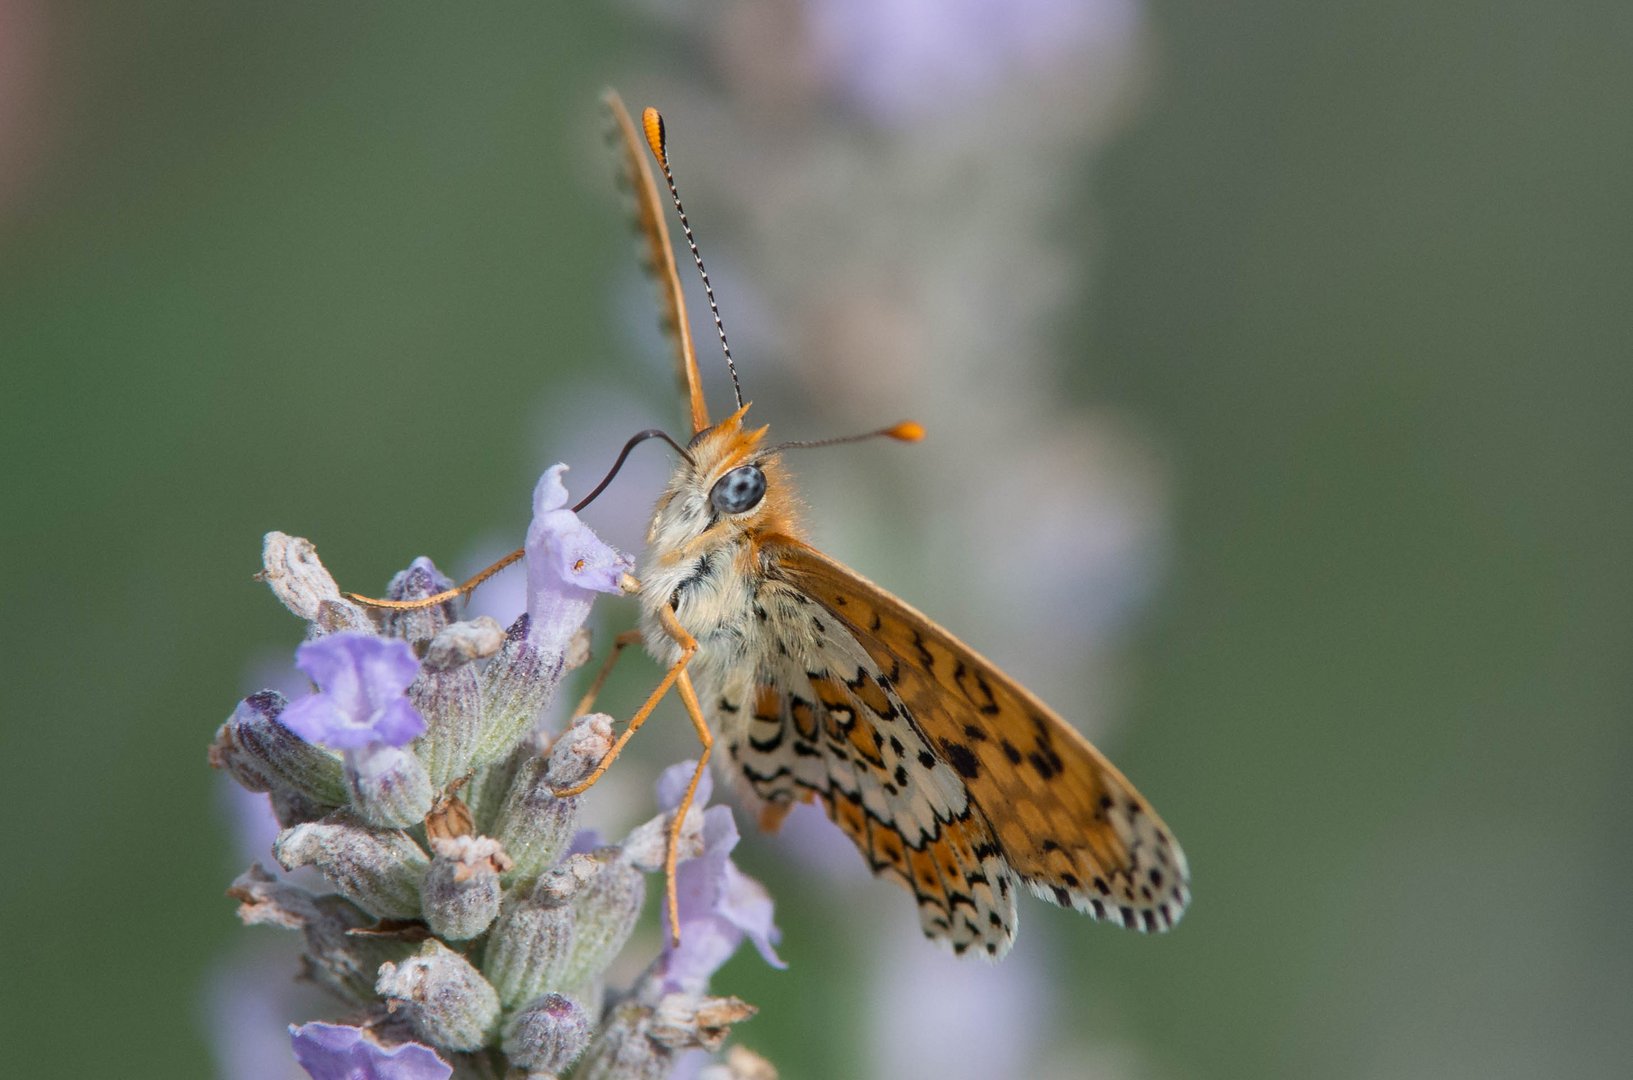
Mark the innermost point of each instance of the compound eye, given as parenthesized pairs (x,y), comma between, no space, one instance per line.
(739,491)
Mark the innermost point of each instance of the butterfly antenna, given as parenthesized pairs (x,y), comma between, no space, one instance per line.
(657,138)
(906,431)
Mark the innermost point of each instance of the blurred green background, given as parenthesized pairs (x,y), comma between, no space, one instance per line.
(1364,269)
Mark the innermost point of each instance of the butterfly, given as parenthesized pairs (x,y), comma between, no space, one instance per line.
(950,777)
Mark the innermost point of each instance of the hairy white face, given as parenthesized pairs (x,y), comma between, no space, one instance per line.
(701,556)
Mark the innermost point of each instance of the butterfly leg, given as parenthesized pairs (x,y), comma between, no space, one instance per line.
(688,697)
(619,644)
(441,597)
(688,646)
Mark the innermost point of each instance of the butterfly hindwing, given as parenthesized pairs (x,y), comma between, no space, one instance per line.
(1068,823)
(814,717)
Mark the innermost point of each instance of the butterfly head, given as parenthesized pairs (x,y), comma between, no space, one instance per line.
(734,487)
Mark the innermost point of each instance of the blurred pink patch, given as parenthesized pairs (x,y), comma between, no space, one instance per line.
(934,1014)
(900,59)
(23,62)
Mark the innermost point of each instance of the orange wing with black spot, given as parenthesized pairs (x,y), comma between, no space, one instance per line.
(1067,822)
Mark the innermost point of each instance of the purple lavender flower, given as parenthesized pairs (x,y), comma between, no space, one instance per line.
(361,708)
(567,565)
(901,59)
(338,1052)
(362,682)
(719,904)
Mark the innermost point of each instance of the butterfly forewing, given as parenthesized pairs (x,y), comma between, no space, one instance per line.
(1065,820)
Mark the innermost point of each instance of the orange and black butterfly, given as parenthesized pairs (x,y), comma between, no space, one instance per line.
(951,778)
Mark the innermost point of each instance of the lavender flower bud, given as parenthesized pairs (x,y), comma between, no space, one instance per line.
(647,846)
(566,566)
(547,1035)
(379,870)
(604,915)
(461,889)
(462,642)
(624,1051)
(258,751)
(446,1000)
(290,565)
(519,685)
(448,694)
(533,824)
(420,580)
(335,957)
(490,788)
(389,786)
(532,943)
(580,749)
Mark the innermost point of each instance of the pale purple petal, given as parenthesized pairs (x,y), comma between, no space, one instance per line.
(386,666)
(672,785)
(332,663)
(705,945)
(707,940)
(720,835)
(586,841)
(338,1052)
(317,719)
(747,905)
(361,682)
(689,1064)
(573,552)
(566,566)
(398,723)
(719,905)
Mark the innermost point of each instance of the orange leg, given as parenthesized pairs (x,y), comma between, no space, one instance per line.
(688,698)
(619,644)
(441,597)
(676,676)
(688,646)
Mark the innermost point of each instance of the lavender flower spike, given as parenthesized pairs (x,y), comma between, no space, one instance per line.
(567,565)
(493,956)
(719,904)
(362,682)
(339,1052)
